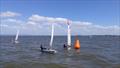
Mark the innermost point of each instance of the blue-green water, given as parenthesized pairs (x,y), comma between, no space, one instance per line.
(95,52)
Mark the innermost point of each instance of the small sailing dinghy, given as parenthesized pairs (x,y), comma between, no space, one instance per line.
(50,50)
(16,37)
(68,46)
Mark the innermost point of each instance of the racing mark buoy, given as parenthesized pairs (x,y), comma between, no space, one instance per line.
(77,43)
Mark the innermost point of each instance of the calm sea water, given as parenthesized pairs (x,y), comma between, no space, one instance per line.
(95,52)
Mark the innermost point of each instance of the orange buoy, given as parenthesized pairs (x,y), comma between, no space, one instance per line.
(77,43)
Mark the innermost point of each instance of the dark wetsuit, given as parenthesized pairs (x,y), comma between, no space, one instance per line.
(42,48)
(64,46)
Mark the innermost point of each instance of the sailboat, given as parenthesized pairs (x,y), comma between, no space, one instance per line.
(68,36)
(16,37)
(50,49)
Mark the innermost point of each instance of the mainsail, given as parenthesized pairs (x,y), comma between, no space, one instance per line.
(16,38)
(69,35)
(52,33)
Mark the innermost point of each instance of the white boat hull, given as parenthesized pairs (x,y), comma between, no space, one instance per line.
(16,41)
(51,51)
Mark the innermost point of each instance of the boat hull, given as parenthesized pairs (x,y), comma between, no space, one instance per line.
(16,41)
(51,51)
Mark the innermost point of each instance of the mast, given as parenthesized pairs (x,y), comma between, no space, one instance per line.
(16,38)
(52,33)
(69,35)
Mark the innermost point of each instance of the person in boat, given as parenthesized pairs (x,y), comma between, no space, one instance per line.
(42,48)
(64,46)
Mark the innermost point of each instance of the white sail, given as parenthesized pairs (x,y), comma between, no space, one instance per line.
(69,36)
(52,33)
(16,38)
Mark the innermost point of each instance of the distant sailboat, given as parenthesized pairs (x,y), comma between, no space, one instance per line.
(50,50)
(16,37)
(69,37)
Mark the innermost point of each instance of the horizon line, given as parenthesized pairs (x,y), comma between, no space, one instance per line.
(61,35)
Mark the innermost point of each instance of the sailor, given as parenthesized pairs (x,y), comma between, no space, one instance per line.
(64,46)
(42,48)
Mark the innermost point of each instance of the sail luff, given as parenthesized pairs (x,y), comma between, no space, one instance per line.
(16,38)
(52,33)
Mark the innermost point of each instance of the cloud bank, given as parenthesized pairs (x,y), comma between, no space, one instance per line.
(41,25)
(9,14)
